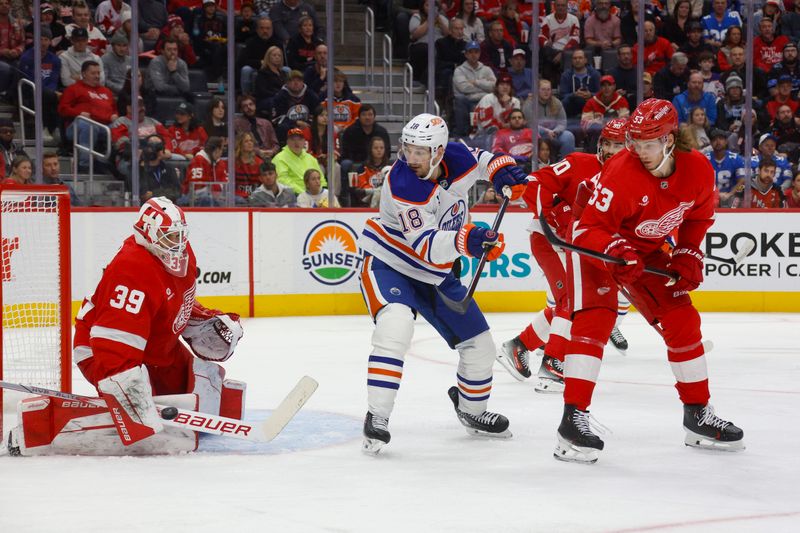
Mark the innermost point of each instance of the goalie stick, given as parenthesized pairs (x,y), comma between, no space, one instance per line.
(205,422)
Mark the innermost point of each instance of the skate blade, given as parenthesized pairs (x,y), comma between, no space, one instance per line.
(472,432)
(695,440)
(510,367)
(549,386)
(372,446)
(569,453)
(621,351)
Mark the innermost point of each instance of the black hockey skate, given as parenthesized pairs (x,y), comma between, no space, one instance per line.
(619,341)
(704,429)
(376,434)
(487,424)
(514,357)
(551,376)
(576,442)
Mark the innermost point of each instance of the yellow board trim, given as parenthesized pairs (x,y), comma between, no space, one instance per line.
(490,302)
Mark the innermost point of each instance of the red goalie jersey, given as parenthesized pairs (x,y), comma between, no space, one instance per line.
(135,315)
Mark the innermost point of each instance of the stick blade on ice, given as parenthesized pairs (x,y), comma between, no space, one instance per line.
(293,402)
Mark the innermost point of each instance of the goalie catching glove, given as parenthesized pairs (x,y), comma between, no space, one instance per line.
(504,172)
(472,240)
(211,334)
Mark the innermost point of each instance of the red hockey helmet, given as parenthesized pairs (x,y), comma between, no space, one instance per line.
(161,228)
(653,119)
(615,130)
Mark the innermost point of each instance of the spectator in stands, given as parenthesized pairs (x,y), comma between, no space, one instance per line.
(245,23)
(247,167)
(767,148)
(552,119)
(767,47)
(155,178)
(728,167)
(731,106)
(205,168)
(418,49)
(167,74)
(345,103)
(560,31)
(647,86)
(355,139)
(521,77)
(12,41)
(21,171)
(471,81)
(271,193)
(738,68)
(302,46)
(216,122)
(600,108)
(711,82)
(786,132)
(49,18)
(449,54)
(293,105)
(784,97)
(625,73)
(82,18)
(266,142)
(733,37)
(315,194)
(698,130)
(545,153)
(76,55)
(792,194)
(578,84)
(187,135)
(489,197)
(516,140)
(790,22)
(120,136)
(126,29)
(473,26)
(764,193)
(369,175)
(788,66)
(175,30)
(717,23)
(88,98)
(694,45)
(318,145)
(152,17)
(657,50)
(9,149)
(50,175)
(693,97)
(512,24)
(495,108)
(675,27)
(116,62)
(109,15)
(254,52)
(293,161)
(315,75)
(601,30)
(673,79)
(270,78)
(47,79)
(210,35)
(495,51)
(286,14)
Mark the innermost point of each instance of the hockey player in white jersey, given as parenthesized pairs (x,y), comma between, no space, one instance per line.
(409,250)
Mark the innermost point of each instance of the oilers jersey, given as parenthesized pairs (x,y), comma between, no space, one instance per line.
(416,229)
(727,171)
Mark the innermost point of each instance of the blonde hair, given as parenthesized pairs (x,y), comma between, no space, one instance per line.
(265,60)
(240,142)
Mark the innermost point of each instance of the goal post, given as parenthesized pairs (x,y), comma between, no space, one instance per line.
(35,291)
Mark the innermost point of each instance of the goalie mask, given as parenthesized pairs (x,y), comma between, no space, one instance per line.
(421,139)
(161,228)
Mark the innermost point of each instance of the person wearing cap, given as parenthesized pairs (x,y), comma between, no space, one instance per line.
(728,166)
(449,54)
(600,108)
(9,148)
(167,74)
(58,42)
(12,41)
(647,86)
(694,45)
(187,134)
(82,18)
(108,15)
(672,80)
(48,78)
(293,161)
(76,55)
(521,76)
(176,30)
(495,108)
(293,105)
(771,9)
(768,47)
(731,106)
(789,66)
(693,97)
(472,80)
(285,15)
(716,23)
(782,97)
(767,147)
(116,62)
(602,28)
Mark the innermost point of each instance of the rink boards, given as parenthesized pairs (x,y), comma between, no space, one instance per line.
(301,262)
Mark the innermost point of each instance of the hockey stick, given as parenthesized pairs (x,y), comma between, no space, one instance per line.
(205,422)
(462,305)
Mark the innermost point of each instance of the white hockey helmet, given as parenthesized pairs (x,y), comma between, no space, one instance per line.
(161,228)
(429,131)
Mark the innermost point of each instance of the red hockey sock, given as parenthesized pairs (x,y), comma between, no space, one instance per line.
(590,331)
(686,354)
(538,332)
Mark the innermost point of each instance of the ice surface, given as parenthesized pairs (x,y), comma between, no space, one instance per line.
(432,476)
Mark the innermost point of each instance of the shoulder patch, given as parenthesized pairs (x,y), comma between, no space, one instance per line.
(407,187)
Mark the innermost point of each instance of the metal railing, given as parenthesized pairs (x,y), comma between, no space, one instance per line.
(388,78)
(408,91)
(369,47)
(341,22)
(23,109)
(208,193)
(78,147)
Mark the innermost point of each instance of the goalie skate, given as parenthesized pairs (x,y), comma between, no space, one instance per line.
(576,442)
(376,434)
(13,443)
(704,429)
(551,376)
(619,341)
(487,424)
(514,357)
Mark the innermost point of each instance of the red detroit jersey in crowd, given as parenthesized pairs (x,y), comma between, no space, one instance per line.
(135,315)
(644,209)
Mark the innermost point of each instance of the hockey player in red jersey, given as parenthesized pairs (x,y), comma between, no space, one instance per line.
(127,345)
(552,191)
(659,184)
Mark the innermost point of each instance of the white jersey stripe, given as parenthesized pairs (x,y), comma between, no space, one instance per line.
(117,335)
(580,366)
(81,353)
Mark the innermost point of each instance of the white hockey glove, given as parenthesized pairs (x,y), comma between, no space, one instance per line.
(212,335)
(129,398)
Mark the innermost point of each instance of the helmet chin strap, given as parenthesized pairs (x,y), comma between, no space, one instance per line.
(433,164)
(667,154)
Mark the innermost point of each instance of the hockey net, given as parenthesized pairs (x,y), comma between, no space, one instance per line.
(35,293)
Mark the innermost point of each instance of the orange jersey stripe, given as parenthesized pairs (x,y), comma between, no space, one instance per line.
(410,251)
(474,391)
(385,372)
(369,290)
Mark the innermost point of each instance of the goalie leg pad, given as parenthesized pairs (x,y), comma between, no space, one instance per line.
(476,358)
(129,398)
(394,327)
(232,400)
(205,380)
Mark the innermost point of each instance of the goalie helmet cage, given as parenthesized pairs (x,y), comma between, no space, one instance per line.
(35,291)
